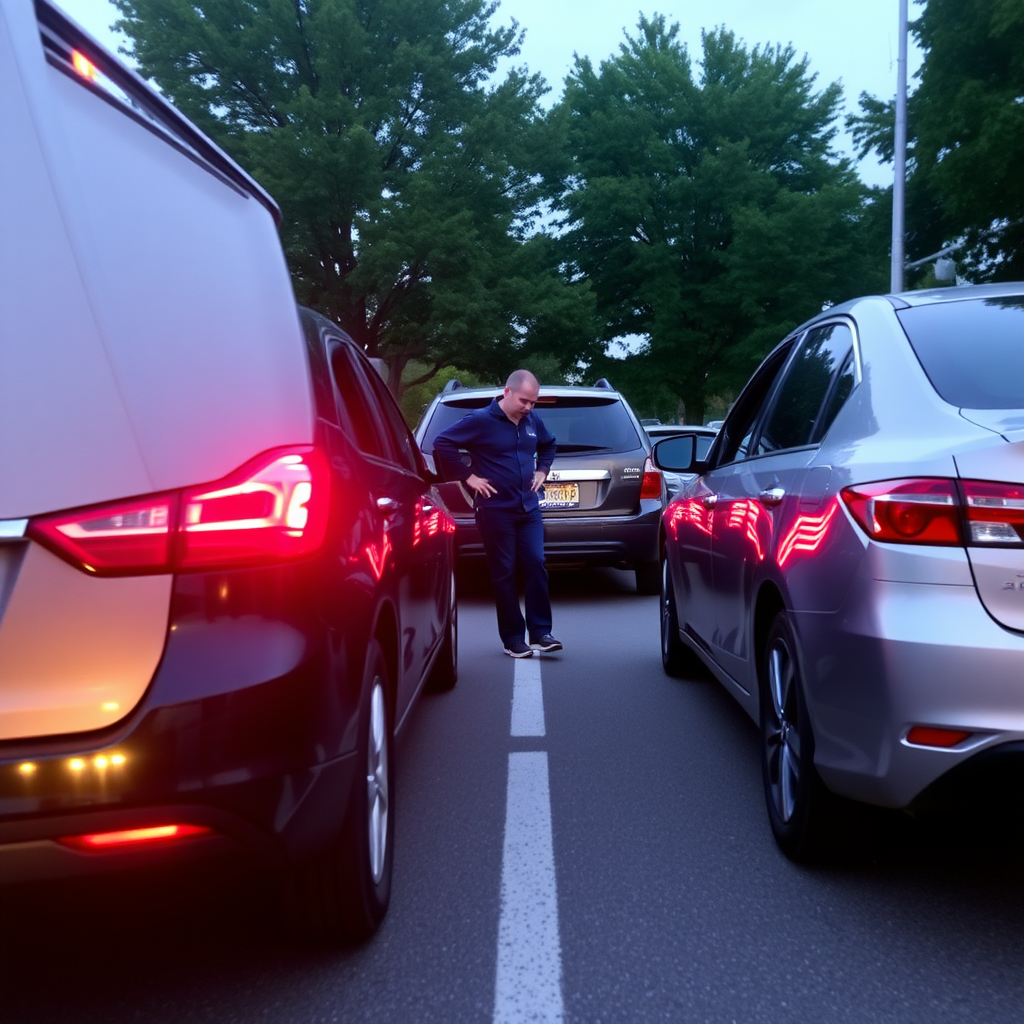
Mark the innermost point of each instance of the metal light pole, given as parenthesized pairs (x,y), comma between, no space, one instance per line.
(900,162)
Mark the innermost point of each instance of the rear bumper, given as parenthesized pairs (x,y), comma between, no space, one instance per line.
(248,728)
(617,541)
(899,655)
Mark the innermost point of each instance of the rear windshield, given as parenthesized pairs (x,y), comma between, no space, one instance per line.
(579,424)
(972,351)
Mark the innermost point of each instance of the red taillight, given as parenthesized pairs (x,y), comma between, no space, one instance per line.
(907,511)
(995,513)
(272,509)
(651,486)
(926,736)
(134,837)
(127,536)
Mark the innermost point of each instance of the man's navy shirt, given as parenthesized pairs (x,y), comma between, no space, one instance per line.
(502,452)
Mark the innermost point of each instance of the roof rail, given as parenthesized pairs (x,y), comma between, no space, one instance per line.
(451,386)
(603,383)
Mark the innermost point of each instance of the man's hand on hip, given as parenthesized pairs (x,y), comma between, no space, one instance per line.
(480,486)
(539,476)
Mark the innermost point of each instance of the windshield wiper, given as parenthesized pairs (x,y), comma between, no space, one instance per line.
(582,448)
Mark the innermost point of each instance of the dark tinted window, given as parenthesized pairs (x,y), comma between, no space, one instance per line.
(401,442)
(739,424)
(842,388)
(972,351)
(804,388)
(580,424)
(354,405)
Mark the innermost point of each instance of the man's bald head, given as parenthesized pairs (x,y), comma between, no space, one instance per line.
(521,380)
(521,390)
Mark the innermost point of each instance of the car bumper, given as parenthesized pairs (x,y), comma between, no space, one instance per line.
(617,541)
(898,655)
(248,729)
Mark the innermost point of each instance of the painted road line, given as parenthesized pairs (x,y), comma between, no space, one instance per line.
(528,988)
(527,699)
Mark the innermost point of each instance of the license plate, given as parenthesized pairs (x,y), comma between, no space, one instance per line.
(561,496)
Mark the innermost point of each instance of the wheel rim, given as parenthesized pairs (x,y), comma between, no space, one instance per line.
(781,735)
(453,621)
(377,782)
(666,618)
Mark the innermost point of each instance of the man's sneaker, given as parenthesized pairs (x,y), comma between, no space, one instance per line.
(518,649)
(546,643)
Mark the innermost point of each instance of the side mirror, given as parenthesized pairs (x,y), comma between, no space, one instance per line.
(431,467)
(678,454)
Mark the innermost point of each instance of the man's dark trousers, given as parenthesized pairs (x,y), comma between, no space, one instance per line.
(511,538)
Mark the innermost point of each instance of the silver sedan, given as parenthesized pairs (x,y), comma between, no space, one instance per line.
(849,562)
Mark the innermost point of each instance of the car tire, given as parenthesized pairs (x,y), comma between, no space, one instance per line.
(445,673)
(343,894)
(676,658)
(802,812)
(648,578)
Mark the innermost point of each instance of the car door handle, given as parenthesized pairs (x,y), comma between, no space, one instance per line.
(709,500)
(772,496)
(387,505)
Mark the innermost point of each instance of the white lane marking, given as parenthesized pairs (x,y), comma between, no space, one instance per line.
(527,698)
(528,987)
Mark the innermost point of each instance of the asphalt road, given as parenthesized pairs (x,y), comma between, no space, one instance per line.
(673,903)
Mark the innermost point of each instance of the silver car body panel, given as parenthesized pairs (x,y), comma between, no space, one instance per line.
(891,635)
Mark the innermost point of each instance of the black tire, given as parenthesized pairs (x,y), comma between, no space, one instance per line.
(343,894)
(676,658)
(445,673)
(802,812)
(648,577)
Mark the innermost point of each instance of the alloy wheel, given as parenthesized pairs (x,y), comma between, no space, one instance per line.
(377,782)
(781,732)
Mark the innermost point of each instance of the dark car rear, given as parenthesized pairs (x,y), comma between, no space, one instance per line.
(603,497)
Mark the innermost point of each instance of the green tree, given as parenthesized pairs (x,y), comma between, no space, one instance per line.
(965,136)
(708,212)
(402,170)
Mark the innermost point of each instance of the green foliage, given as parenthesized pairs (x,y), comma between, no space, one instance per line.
(403,171)
(416,397)
(965,126)
(708,212)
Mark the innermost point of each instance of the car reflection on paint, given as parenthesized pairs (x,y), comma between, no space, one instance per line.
(849,559)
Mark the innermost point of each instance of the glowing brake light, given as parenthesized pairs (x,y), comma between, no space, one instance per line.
(83,65)
(273,508)
(134,837)
(651,486)
(923,511)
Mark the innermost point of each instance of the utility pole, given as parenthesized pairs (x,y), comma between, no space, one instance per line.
(900,163)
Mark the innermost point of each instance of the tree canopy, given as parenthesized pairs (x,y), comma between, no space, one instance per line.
(965,125)
(403,173)
(708,210)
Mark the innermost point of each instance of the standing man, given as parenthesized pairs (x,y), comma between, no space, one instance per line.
(511,452)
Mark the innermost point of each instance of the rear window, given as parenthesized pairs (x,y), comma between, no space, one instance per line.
(580,424)
(972,350)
